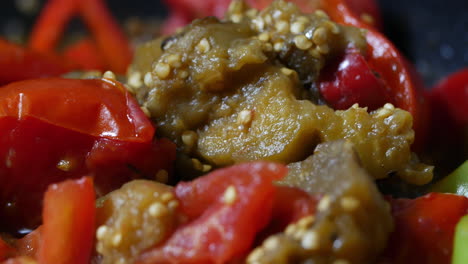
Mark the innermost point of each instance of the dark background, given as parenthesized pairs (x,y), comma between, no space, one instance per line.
(433,34)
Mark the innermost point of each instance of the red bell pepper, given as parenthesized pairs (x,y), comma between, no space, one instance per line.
(5,250)
(18,63)
(424,228)
(68,223)
(110,40)
(226,209)
(55,129)
(86,55)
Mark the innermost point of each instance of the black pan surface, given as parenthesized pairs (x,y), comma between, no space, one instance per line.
(433,34)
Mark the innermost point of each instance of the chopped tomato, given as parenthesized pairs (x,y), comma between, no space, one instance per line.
(5,250)
(226,209)
(18,63)
(68,223)
(352,81)
(424,228)
(56,129)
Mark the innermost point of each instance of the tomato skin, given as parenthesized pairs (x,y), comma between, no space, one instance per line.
(424,228)
(68,222)
(86,55)
(352,81)
(56,129)
(218,230)
(18,63)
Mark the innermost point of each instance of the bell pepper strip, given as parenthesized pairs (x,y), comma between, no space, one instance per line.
(456,182)
(226,209)
(352,81)
(86,55)
(451,94)
(110,40)
(404,86)
(460,252)
(56,129)
(424,228)
(18,63)
(68,222)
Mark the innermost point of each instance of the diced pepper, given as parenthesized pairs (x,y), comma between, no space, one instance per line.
(226,209)
(424,228)
(18,63)
(68,223)
(456,182)
(460,247)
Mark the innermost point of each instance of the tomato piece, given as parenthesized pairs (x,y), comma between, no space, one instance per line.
(86,55)
(226,209)
(18,63)
(424,228)
(352,81)
(69,222)
(29,244)
(5,250)
(56,129)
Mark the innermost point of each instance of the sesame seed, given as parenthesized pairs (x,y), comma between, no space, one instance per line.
(162,176)
(166,197)
(271,243)
(189,138)
(267,47)
(367,18)
(230,195)
(355,106)
(278,46)
(290,229)
(324,203)
(287,71)
(244,117)
(324,48)
(251,13)
(389,106)
(134,80)
(148,80)
(349,203)
(268,19)
(117,239)
(302,42)
(203,46)
(332,27)
(297,27)
(282,26)
(172,205)
(314,53)
(310,240)
(157,209)
(183,74)
(259,23)
(303,19)
(236,18)
(101,232)
(320,36)
(383,113)
(206,167)
(255,255)
(64,165)
(321,14)
(162,70)
(306,222)
(174,60)
(197,164)
(109,75)
(264,36)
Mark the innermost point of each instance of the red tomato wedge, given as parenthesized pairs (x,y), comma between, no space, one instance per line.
(424,228)
(18,63)
(68,223)
(56,129)
(226,209)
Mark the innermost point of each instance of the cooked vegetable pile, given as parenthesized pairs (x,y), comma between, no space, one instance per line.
(261,133)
